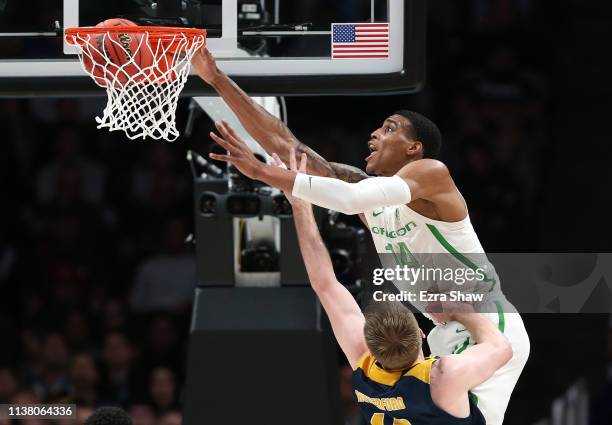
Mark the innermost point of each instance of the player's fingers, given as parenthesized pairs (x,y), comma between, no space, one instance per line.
(278,162)
(219,157)
(221,129)
(303,161)
(231,131)
(440,317)
(434,307)
(292,162)
(227,134)
(220,141)
(223,143)
(456,307)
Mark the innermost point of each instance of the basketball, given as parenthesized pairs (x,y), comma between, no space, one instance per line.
(116,56)
(116,22)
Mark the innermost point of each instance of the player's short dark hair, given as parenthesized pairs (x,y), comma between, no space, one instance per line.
(109,415)
(424,130)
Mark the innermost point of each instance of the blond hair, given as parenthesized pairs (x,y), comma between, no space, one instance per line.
(392,335)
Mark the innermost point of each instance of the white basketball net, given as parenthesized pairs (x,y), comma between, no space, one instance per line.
(141,100)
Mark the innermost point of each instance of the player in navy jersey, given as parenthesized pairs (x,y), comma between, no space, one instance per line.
(393,382)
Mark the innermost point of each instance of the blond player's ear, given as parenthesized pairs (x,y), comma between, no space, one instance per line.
(303,161)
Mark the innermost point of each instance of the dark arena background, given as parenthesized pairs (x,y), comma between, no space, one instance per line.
(98,239)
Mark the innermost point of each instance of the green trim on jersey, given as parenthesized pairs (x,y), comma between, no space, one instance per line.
(500,314)
(465,345)
(451,249)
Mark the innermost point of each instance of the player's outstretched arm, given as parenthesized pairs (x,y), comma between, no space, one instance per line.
(348,198)
(270,132)
(424,179)
(344,314)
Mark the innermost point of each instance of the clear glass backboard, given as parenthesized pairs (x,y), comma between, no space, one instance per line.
(270,47)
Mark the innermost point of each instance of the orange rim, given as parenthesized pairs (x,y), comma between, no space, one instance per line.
(154,33)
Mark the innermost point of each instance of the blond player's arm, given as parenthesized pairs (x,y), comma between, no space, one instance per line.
(345,316)
(478,363)
(453,376)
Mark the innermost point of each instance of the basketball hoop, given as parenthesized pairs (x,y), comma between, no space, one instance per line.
(143,70)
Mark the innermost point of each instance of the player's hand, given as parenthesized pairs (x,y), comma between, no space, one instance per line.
(239,153)
(205,66)
(295,202)
(448,311)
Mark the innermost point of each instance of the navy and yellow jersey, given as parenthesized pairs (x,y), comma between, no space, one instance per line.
(402,397)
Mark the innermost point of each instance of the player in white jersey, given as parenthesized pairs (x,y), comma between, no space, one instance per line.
(414,192)
(395,228)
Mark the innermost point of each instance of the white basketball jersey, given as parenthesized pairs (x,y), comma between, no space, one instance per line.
(402,236)
(405,238)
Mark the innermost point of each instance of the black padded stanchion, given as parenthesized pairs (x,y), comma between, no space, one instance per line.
(261,356)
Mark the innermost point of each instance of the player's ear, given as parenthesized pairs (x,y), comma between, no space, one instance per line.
(414,148)
(422,333)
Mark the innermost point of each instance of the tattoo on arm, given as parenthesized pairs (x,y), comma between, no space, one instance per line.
(317,165)
(279,128)
(348,173)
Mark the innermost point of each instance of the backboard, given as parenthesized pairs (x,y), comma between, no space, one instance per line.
(270,47)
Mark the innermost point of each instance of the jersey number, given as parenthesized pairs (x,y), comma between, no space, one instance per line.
(379,419)
(404,257)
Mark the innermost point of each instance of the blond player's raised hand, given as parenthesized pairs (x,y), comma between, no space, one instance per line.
(295,202)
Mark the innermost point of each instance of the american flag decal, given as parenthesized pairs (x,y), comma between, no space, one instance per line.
(360,40)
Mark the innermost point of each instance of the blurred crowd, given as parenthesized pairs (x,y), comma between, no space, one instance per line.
(95,273)
(96,277)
